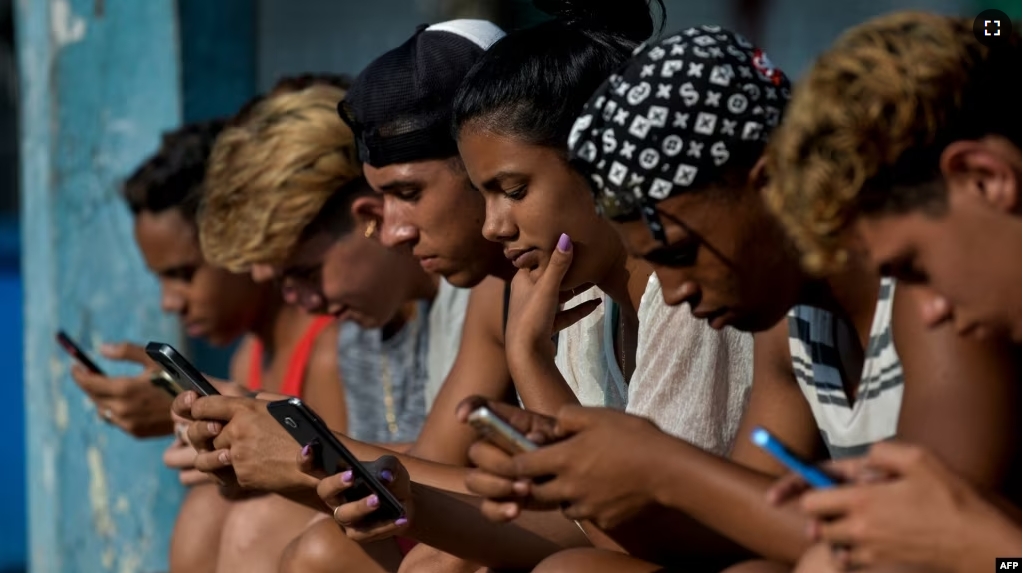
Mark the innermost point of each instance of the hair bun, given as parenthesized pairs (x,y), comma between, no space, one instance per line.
(630,19)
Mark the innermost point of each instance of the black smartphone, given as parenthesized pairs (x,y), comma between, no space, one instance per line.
(179,369)
(77,353)
(307,428)
(495,429)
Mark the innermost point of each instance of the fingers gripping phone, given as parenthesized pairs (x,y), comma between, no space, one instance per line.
(77,353)
(811,474)
(180,370)
(499,432)
(306,427)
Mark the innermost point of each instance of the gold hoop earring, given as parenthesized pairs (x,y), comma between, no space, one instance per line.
(370,229)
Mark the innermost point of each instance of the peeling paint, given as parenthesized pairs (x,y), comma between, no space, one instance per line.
(108,558)
(58,402)
(99,496)
(49,477)
(131,562)
(65,26)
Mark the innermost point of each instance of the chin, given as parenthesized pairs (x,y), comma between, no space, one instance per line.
(466,278)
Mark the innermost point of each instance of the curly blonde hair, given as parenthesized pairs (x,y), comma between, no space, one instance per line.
(865,128)
(270,174)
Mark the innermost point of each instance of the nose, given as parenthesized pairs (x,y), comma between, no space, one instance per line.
(397,228)
(262,273)
(172,300)
(498,225)
(686,291)
(934,308)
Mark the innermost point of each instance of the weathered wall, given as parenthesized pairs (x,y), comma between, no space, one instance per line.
(100,82)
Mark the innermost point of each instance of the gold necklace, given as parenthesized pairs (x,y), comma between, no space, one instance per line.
(621,342)
(389,414)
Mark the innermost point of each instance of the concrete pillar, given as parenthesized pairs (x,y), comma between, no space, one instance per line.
(100,81)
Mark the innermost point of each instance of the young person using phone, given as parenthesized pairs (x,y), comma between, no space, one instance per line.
(935,202)
(221,306)
(512,119)
(427,185)
(687,200)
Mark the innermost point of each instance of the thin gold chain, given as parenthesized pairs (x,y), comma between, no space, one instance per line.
(390,415)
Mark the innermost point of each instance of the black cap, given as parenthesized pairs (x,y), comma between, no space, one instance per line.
(400,106)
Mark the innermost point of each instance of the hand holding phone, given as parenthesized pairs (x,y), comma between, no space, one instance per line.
(810,473)
(307,428)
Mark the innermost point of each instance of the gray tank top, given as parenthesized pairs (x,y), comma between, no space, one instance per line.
(385,379)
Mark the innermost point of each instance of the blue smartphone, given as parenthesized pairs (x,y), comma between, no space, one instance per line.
(813,475)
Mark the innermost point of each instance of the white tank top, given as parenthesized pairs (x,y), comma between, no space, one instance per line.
(848,429)
(692,381)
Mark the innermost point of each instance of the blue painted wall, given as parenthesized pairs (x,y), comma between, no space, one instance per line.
(99,83)
(13,540)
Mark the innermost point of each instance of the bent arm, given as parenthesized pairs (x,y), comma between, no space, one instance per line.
(479,369)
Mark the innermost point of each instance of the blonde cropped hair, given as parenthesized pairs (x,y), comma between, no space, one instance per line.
(866,126)
(270,174)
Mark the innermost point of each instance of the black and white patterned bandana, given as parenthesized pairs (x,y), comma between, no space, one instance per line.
(671,118)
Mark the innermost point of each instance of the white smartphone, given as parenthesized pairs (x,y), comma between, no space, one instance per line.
(498,431)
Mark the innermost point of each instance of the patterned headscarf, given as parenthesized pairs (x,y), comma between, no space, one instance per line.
(672,117)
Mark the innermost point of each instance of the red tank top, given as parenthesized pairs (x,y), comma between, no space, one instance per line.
(294,377)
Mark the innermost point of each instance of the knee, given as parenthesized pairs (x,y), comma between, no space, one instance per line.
(320,548)
(426,559)
(817,559)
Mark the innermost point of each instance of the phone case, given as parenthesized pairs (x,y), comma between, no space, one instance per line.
(179,369)
(307,428)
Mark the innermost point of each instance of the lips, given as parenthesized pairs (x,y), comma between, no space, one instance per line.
(522,258)
(195,329)
(716,319)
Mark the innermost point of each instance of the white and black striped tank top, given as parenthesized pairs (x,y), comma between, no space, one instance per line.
(848,430)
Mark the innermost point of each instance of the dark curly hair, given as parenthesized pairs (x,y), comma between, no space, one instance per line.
(172,178)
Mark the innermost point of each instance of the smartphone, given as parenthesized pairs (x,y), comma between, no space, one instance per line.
(179,369)
(812,474)
(499,432)
(163,381)
(77,353)
(306,427)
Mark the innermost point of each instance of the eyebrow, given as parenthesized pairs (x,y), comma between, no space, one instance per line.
(401,185)
(495,180)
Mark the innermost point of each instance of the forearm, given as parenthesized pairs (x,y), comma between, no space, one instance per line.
(988,536)
(443,476)
(539,383)
(711,506)
(452,522)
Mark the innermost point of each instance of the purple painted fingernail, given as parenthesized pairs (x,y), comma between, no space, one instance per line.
(372,501)
(387,476)
(346,477)
(306,449)
(564,243)
(401,522)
